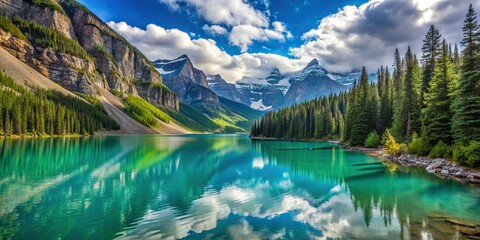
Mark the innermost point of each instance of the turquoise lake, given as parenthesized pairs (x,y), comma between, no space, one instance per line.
(219,187)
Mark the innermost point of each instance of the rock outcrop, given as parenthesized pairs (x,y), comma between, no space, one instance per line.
(112,63)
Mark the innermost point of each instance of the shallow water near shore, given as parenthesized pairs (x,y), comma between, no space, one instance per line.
(221,187)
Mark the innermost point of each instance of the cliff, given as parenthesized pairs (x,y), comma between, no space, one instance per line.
(110,61)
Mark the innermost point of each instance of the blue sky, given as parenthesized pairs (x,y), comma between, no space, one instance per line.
(242,39)
(298,15)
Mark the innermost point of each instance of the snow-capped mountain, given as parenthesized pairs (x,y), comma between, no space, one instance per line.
(349,78)
(273,92)
(313,81)
(264,94)
(187,82)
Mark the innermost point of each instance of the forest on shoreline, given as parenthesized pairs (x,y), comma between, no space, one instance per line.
(427,106)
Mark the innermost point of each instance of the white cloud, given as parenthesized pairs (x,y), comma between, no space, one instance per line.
(368,35)
(215,30)
(244,35)
(281,28)
(247,23)
(160,43)
(229,12)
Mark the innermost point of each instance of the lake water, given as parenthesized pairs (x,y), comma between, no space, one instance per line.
(219,187)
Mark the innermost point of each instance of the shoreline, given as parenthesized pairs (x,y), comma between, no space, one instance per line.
(440,167)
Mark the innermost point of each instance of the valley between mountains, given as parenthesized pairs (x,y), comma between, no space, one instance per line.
(62,48)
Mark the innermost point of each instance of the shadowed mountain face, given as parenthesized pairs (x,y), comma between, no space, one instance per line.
(226,90)
(188,82)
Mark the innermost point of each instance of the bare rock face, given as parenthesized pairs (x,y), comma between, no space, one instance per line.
(41,15)
(159,97)
(114,63)
(75,74)
(190,84)
(197,94)
(130,64)
(226,90)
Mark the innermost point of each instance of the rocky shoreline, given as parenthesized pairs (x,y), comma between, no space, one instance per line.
(441,167)
(438,166)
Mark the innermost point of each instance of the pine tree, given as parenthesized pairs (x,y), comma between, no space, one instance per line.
(362,115)
(386,113)
(437,115)
(407,120)
(431,48)
(456,58)
(466,119)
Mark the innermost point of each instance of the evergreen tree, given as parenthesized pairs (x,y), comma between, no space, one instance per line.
(386,112)
(466,120)
(431,48)
(362,114)
(437,115)
(456,58)
(407,120)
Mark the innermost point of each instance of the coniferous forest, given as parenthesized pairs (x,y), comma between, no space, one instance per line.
(42,112)
(424,106)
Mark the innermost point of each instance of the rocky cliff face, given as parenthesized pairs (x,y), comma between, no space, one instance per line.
(42,15)
(189,83)
(312,82)
(73,73)
(226,90)
(113,62)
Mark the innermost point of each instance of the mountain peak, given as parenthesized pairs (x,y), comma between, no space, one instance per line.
(315,67)
(275,71)
(184,56)
(313,63)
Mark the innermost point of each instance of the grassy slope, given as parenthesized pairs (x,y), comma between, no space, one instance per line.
(228,117)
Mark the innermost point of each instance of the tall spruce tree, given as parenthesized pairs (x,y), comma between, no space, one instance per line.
(437,115)
(432,46)
(386,112)
(466,119)
(456,58)
(362,114)
(407,118)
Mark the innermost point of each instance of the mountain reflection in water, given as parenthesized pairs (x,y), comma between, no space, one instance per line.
(214,186)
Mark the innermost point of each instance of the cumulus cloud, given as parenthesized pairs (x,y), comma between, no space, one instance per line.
(160,43)
(229,12)
(244,35)
(247,23)
(368,34)
(215,30)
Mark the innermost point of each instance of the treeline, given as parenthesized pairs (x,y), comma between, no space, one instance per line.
(428,106)
(321,118)
(43,112)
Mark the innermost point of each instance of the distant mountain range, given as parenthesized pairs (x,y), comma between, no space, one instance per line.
(275,91)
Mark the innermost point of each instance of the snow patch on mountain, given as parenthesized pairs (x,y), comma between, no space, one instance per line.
(258,105)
